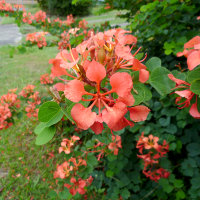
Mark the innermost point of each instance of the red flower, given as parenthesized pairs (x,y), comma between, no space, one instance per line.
(150,159)
(77,186)
(116,144)
(192,52)
(186,94)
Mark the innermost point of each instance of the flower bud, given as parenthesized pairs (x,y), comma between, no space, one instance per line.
(101,55)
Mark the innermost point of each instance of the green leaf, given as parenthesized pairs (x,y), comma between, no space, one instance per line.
(125,193)
(144,94)
(109,173)
(56,118)
(164,121)
(67,110)
(172,129)
(39,128)
(193,149)
(160,81)
(46,135)
(153,63)
(178,183)
(193,75)
(195,87)
(180,195)
(47,111)
(165,185)
(92,160)
(65,194)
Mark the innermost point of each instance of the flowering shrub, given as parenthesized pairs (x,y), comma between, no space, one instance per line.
(37,38)
(11,105)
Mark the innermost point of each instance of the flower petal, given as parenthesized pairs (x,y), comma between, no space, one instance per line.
(185,93)
(74,90)
(97,127)
(122,124)
(193,60)
(60,86)
(83,117)
(96,72)
(194,111)
(68,60)
(192,42)
(177,81)
(139,113)
(143,75)
(56,70)
(112,115)
(128,99)
(121,83)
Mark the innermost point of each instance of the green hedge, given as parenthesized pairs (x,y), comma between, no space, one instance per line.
(63,7)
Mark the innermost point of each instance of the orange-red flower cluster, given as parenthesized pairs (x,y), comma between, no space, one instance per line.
(154,151)
(78,185)
(31,109)
(40,16)
(27,91)
(185,96)
(67,144)
(64,42)
(192,52)
(46,79)
(33,100)
(27,18)
(69,167)
(83,24)
(6,6)
(115,144)
(8,105)
(97,62)
(37,38)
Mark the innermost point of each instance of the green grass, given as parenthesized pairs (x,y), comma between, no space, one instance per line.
(7,20)
(21,157)
(24,68)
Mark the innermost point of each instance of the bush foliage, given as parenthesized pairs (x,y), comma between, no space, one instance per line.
(63,8)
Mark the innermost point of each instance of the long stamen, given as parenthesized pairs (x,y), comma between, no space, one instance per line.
(106,93)
(99,105)
(63,79)
(137,51)
(92,105)
(144,58)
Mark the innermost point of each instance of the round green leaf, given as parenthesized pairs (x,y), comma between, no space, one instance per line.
(195,87)
(39,128)
(193,75)
(46,135)
(48,110)
(153,63)
(144,94)
(160,81)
